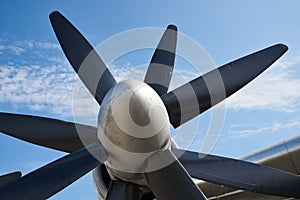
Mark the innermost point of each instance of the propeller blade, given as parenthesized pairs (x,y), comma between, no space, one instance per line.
(240,174)
(52,133)
(83,58)
(50,179)
(160,70)
(123,190)
(172,181)
(200,94)
(8,178)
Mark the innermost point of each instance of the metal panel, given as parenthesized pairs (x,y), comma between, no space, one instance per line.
(284,155)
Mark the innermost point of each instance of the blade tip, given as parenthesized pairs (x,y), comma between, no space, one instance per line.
(172,27)
(283,47)
(53,13)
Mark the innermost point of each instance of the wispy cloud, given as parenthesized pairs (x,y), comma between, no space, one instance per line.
(15,50)
(31,44)
(128,71)
(39,87)
(277,89)
(50,85)
(43,81)
(18,47)
(246,130)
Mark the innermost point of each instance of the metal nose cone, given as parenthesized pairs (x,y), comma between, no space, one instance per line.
(135,109)
(139,108)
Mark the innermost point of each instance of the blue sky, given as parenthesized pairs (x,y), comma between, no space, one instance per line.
(36,79)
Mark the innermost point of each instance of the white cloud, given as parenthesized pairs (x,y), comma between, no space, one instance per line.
(42,81)
(245,130)
(276,89)
(47,88)
(128,71)
(30,44)
(15,50)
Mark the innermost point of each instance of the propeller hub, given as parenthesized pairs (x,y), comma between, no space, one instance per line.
(133,123)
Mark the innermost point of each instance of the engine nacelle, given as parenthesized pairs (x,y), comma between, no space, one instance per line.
(102,179)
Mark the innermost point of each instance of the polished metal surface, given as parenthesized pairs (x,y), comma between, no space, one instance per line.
(133,123)
(284,155)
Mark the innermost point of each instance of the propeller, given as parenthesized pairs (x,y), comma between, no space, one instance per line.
(61,136)
(8,178)
(231,172)
(83,58)
(50,179)
(218,84)
(172,181)
(160,70)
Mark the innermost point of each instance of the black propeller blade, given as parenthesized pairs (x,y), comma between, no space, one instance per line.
(160,70)
(123,190)
(172,181)
(200,94)
(52,133)
(50,179)
(83,58)
(240,174)
(8,178)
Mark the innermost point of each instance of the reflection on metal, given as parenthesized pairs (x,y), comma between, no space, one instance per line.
(284,155)
(133,124)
